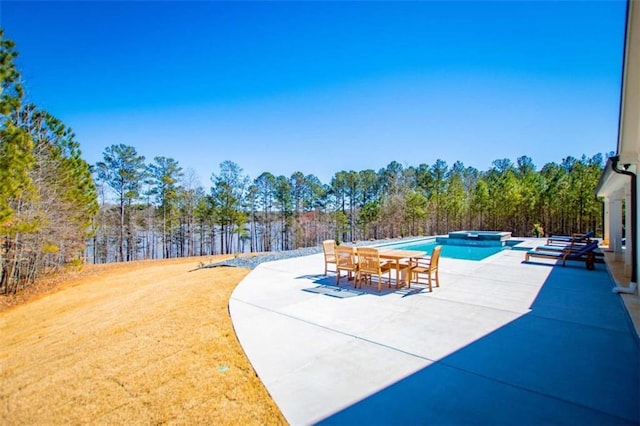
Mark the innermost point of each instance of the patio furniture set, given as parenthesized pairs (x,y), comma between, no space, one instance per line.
(362,264)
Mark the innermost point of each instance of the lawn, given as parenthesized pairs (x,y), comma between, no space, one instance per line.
(140,342)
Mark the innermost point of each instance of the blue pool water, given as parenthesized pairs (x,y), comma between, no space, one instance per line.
(464,252)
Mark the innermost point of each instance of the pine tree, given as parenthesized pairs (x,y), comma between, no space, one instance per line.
(123,170)
(47,195)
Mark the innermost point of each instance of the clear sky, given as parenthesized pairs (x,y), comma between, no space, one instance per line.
(320,87)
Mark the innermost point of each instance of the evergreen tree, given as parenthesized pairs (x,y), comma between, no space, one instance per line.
(164,174)
(123,170)
(265,194)
(228,193)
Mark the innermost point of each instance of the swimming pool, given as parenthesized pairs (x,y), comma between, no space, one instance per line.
(453,251)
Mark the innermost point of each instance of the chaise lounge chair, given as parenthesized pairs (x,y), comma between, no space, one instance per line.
(571,239)
(573,247)
(584,254)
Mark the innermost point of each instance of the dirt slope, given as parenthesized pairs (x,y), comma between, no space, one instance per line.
(145,343)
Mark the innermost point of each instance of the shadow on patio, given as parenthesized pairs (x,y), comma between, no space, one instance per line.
(574,359)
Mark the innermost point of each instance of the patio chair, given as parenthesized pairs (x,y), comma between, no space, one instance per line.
(369,264)
(571,239)
(329,248)
(427,266)
(584,254)
(346,261)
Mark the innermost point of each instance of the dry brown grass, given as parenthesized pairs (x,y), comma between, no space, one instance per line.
(146,342)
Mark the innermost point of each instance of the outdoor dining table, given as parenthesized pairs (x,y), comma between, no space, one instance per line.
(397,255)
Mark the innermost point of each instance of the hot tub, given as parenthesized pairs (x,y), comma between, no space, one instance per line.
(479,238)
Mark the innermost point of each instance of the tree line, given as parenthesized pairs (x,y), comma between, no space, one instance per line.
(56,209)
(159,213)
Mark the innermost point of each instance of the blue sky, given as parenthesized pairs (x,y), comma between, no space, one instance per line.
(321,87)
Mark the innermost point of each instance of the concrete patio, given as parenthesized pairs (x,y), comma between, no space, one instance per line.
(500,342)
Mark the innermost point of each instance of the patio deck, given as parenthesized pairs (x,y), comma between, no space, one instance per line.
(500,342)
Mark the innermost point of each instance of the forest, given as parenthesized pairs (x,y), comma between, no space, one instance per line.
(161,214)
(57,210)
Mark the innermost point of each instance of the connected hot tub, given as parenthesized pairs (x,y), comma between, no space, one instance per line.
(476,238)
